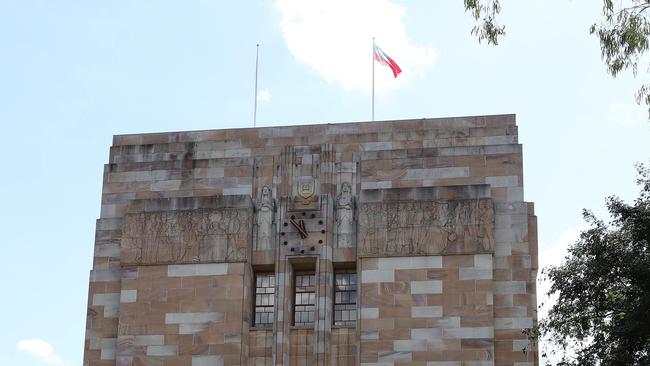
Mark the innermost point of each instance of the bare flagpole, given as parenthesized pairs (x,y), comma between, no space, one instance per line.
(373,78)
(257,56)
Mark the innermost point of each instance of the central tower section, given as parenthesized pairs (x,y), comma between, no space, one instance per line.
(305,226)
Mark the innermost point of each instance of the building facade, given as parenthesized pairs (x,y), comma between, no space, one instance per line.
(376,243)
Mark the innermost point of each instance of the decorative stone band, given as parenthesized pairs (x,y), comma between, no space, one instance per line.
(439,193)
(187,230)
(187,236)
(426,227)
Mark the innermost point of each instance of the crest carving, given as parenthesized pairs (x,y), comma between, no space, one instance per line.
(306,188)
(306,194)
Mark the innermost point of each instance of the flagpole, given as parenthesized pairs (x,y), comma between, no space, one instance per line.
(373,78)
(257,56)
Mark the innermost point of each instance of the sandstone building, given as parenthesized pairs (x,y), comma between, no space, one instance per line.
(377,243)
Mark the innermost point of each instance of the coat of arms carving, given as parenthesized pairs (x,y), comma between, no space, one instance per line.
(307,194)
(306,188)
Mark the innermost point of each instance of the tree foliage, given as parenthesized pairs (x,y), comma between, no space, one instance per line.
(623,31)
(602,314)
(485,12)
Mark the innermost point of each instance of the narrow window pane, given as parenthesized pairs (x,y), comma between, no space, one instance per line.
(304,298)
(345,297)
(264,299)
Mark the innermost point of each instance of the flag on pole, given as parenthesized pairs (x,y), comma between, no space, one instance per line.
(385,60)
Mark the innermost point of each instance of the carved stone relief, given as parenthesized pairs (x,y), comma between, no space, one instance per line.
(306,190)
(265,220)
(345,217)
(426,227)
(188,236)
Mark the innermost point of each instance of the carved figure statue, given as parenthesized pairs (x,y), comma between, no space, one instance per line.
(265,209)
(345,216)
(486,225)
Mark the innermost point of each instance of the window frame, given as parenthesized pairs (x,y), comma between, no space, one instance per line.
(272,285)
(350,308)
(300,288)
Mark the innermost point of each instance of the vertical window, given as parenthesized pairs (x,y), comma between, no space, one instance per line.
(345,297)
(305,298)
(264,298)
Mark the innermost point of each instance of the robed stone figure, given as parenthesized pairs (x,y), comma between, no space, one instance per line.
(345,217)
(264,219)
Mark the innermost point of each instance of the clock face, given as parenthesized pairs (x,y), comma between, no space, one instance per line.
(300,227)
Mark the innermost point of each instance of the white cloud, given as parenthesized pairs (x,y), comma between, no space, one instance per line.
(264,95)
(40,349)
(552,255)
(335,38)
(627,113)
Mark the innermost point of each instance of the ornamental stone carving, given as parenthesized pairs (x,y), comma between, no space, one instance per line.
(186,236)
(265,220)
(426,227)
(306,196)
(345,217)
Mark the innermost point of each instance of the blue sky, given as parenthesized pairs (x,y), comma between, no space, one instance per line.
(74,73)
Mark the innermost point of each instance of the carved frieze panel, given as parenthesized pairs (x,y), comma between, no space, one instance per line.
(426,227)
(187,236)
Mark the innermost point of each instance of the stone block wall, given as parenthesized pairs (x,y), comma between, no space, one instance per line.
(178,314)
(429,212)
(260,347)
(427,308)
